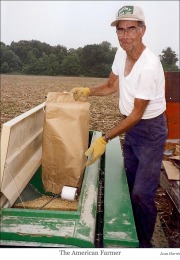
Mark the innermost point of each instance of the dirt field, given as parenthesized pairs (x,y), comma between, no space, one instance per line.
(21,93)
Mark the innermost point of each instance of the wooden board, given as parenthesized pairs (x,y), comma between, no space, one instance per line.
(21,151)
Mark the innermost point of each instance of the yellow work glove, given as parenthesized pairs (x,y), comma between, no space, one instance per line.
(96,150)
(80,93)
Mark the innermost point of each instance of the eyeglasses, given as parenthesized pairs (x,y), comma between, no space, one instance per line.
(131,31)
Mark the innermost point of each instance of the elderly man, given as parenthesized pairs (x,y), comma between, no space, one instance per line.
(138,75)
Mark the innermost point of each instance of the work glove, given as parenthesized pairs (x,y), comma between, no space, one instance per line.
(96,150)
(80,93)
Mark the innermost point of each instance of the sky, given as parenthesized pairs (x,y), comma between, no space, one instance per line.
(74,24)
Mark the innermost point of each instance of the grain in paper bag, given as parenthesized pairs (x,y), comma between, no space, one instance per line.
(65,140)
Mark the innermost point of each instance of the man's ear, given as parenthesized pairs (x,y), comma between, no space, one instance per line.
(143,29)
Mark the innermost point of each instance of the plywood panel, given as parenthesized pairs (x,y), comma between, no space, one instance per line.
(21,151)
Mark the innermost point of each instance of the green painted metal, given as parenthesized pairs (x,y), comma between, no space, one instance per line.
(37,183)
(41,213)
(43,227)
(119,227)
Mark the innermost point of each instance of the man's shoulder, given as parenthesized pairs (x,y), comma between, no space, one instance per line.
(120,55)
(151,60)
(151,55)
(120,52)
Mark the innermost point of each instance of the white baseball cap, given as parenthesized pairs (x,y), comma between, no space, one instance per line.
(129,12)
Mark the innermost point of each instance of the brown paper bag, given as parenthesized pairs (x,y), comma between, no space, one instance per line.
(65,140)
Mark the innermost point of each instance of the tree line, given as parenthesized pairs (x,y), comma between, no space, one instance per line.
(39,58)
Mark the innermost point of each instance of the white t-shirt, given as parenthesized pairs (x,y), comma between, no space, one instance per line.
(145,81)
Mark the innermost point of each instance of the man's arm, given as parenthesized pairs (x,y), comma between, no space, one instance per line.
(109,87)
(98,147)
(135,116)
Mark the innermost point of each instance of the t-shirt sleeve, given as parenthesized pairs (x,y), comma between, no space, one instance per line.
(116,63)
(147,85)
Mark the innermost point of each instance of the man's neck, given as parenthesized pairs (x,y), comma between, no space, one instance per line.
(135,54)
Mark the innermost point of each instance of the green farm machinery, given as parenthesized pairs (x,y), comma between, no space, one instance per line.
(104,216)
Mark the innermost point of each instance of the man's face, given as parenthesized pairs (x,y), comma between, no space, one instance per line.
(129,34)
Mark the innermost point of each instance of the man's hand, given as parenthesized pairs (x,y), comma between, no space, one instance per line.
(96,150)
(80,93)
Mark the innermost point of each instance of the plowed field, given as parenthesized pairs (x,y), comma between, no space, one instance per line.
(20,93)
